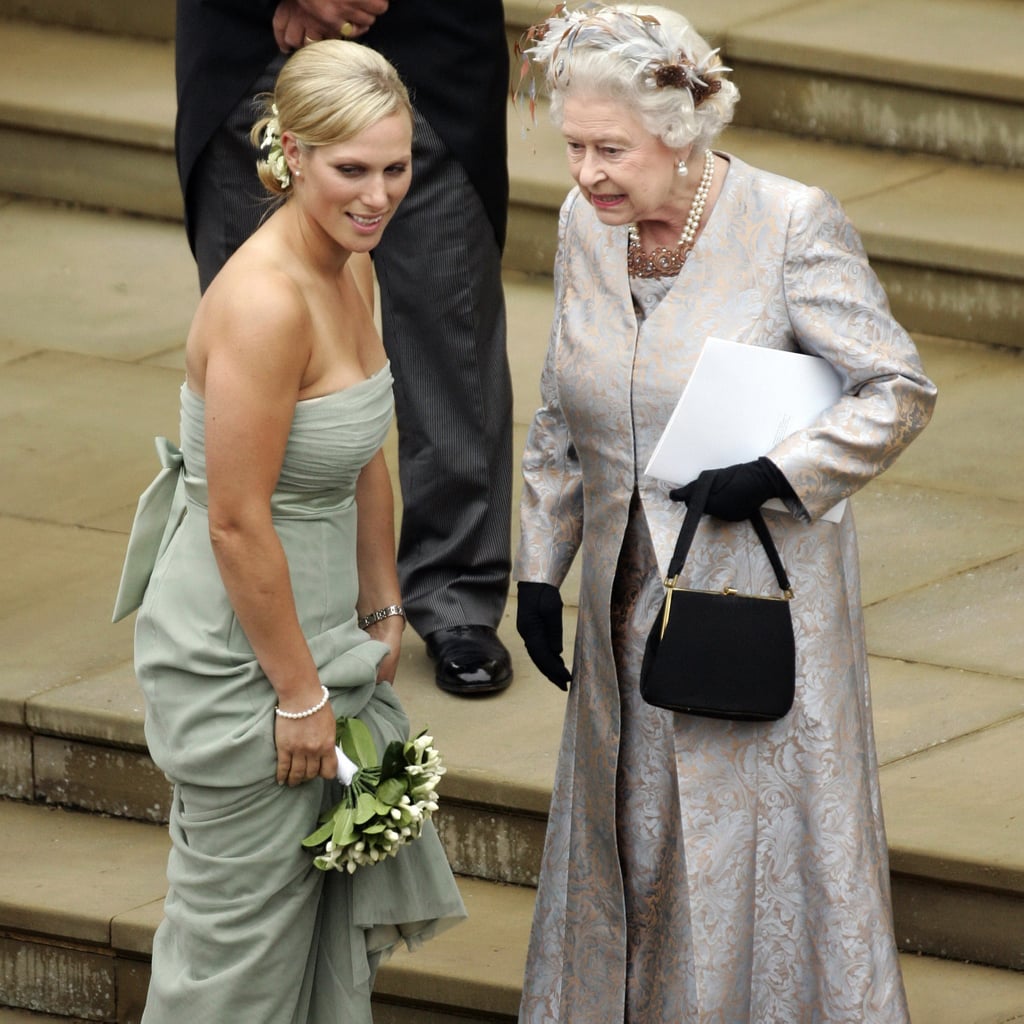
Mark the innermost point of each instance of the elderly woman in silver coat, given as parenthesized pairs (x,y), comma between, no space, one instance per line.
(700,870)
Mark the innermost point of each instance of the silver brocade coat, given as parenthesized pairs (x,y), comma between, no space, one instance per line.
(750,884)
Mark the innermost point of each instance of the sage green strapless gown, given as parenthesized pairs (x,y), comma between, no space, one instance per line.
(252,931)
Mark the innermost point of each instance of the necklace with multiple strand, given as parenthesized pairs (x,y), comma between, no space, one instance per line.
(661,262)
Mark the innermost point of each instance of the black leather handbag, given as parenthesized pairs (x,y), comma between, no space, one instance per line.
(721,654)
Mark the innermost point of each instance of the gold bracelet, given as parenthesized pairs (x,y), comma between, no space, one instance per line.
(380,615)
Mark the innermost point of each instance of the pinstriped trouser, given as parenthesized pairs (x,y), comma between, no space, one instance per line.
(443,313)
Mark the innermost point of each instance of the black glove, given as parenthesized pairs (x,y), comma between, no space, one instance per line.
(539,622)
(739,491)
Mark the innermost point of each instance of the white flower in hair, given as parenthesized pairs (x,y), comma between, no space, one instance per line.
(276,160)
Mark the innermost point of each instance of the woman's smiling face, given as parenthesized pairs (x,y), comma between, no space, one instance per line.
(626,173)
(352,189)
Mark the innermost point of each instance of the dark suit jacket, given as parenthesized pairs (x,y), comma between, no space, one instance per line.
(451,55)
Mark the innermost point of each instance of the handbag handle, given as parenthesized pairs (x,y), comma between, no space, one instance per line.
(695,509)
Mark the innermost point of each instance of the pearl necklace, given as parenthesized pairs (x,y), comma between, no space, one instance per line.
(662,262)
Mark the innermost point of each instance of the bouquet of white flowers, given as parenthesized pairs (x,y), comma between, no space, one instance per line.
(384,804)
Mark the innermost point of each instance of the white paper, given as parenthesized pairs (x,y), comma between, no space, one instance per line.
(740,402)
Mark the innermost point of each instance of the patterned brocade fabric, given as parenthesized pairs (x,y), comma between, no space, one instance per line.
(700,871)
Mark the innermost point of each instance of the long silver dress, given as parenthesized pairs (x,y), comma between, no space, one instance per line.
(699,870)
(252,931)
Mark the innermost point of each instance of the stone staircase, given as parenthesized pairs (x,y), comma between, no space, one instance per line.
(911,111)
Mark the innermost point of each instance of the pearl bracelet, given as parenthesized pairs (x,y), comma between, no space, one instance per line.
(309,711)
(380,615)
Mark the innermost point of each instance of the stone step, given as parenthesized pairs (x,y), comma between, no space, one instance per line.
(80,896)
(912,75)
(936,77)
(152,20)
(946,237)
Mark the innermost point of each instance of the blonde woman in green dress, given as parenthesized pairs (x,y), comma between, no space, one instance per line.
(271,602)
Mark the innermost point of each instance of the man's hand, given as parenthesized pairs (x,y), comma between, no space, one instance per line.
(299,22)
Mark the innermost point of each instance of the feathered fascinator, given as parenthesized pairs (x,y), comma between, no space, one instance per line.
(639,40)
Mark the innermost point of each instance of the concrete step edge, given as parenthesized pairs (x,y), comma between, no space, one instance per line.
(475,969)
(788,37)
(746,36)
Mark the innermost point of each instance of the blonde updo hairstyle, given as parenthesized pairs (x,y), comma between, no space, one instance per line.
(648,58)
(327,92)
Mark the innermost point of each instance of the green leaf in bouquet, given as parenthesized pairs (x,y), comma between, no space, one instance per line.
(392,790)
(375,829)
(393,762)
(343,831)
(366,808)
(354,738)
(321,835)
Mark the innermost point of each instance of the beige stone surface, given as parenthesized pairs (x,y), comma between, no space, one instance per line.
(920,706)
(137,104)
(95,283)
(974,442)
(79,434)
(122,17)
(954,811)
(978,308)
(848,172)
(96,173)
(9,1015)
(57,586)
(107,780)
(933,43)
(39,888)
(15,763)
(978,231)
(104,708)
(11,350)
(954,921)
(947,992)
(133,929)
(529,305)
(478,964)
(971,621)
(911,536)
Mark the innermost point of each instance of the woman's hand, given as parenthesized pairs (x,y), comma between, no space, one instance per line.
(388,631)
(305,747)
(539,623)
(737,492)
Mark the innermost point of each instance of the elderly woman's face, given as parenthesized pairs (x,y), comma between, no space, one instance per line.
(625,172)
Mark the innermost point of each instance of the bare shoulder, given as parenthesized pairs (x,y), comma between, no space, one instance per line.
(254,314)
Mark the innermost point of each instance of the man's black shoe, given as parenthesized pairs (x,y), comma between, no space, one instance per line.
(471,660)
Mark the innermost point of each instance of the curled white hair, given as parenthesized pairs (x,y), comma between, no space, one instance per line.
(649,58)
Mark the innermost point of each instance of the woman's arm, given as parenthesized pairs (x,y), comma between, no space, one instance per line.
(375,559)
(551,508)
(839,311)
(257,347)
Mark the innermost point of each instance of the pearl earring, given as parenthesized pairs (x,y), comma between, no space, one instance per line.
(681,169)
